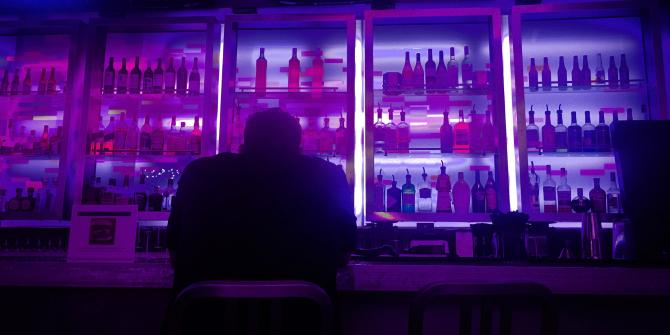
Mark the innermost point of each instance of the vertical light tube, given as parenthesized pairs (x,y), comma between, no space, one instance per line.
(359,124)
(512,154)
(218,93)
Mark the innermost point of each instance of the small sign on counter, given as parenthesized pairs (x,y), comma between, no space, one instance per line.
(102,233)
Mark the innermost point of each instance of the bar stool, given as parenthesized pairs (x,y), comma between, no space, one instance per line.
(494,302)
(233,294)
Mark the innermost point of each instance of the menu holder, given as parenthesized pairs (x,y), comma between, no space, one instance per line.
(102,233)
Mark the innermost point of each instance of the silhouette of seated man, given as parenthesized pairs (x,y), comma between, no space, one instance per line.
(268,213)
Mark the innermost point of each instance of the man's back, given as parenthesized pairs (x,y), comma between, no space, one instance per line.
(249,217)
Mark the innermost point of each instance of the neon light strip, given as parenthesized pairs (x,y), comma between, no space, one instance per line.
(359,125)
(509,124)
(218,94)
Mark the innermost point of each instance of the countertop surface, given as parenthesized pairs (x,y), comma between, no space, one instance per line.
(152,270)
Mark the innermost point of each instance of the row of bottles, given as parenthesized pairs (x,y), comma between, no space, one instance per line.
(125,137)
(574,138)
(46,85)
(557,199)
(481,198)
(35,200)
(325,140)
(580,78)
(147,198)
(152,81)
(294,71)
(437,77)
(14,140)
(477,136)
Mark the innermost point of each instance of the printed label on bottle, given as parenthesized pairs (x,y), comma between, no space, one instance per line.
(589,139)
(425,192)
(564,202)
(533,139)
(613,203)
(549,199)
(461,137)
(408,199)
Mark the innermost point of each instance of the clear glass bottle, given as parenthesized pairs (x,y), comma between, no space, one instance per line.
(120,134)
(461,135)
(393,197)
(576,74)
(122,83)
(586,73)
(408,195)
(564,193)
(418,74)
(478,195)
(532,133)
(548,133)
(380,193)
(613,196)
(589,133)
(532,76)
(467,73)
(549,192)
(380,132)
(461,194)
(598,197)
(452,69)
(446,135)
(546,75)
(534,183)
(430,73)
(602,133)
(600,71)
(391,134)
(574,134)
(562,74)
(403,134)
(425,198)
(443,191)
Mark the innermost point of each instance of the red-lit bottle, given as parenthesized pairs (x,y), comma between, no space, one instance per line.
(44,140)
(261,73)
(294,72)
(446,135)
(196,137)
(443,187)
(461,135)
(317,72)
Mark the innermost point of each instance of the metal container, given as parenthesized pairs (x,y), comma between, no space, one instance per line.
(591,236)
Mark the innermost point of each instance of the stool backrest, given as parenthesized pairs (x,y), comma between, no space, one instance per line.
(490,305)
(251,292)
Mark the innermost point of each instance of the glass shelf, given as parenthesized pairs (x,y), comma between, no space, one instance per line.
(14,157)
(431,158)
(286,90)
(132,157)
(570,154)
(458,91)
(636,86)
(428,217)
(567,217)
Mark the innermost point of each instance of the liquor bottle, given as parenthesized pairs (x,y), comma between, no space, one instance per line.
(122,81)
(534,181)
(194,79)
(461,135)
(589,133)
(602,133)
(407,74)
(431,79)
(32,144)
(600,71)
(576,74)
(478,195)
(467,74)
(586,73)
(109,78)
(441,81)
(341,139)
(158,77)
(461,195)
(140,194)
(425,201)
(4,85)
(574,134)
(27,83)
(418,74)
(168,194)
(403,134)
(476,144)
(120,134)
(182,146)
(157,137)
(41,85)
(624,78)
(562,75)
(326,137)
(408,195)
(28,202)
(145,136)
(310,135)
(452,69)
(489,134)
(148,80)
(532,133)
(196,137)
(380,132)
(598,197)
(615,117)
(491,194)
(44,141)
(549,192)
(172,137)
(108,137)
(155,200)
(580,204)
(532,76)
(443,191)
(108,196)
(170,77)
(546,75)
(294,72)
(132,136)
(446,135)
(393,197)
(380,193)
(564,193)
(135,77)
(14,204)
(612,74)
(629,114)
(548,133)
(16,82)
(182,77)
(261,74)
(391,134)
(613,196)
(561,132)
(56,141)
(51,84)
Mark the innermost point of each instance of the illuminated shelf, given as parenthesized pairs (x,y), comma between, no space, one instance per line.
(134,157)
(426,157)
(636,86)
(185,102)
(459,91)
(285,90)
(608,154)
(566,217)
(428,217)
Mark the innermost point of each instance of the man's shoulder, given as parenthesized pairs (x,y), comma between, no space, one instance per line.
(319,164)
(208,162)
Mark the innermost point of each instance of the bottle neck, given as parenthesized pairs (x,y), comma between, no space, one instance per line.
(587,117)
(559,117)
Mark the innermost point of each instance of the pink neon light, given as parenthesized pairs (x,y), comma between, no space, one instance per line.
(333,60)
(592,172)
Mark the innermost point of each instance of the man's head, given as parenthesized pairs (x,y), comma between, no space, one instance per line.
(273,132)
